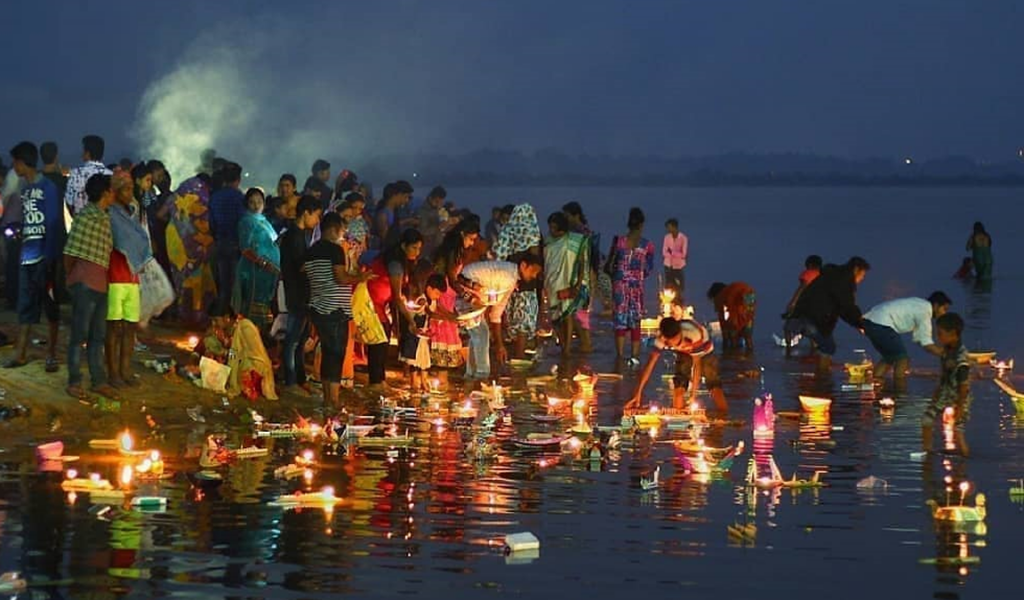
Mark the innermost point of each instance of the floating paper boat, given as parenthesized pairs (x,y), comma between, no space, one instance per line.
(887,403)
(981,358)
(1017,397)
(90,484)
(546,418)
(742,533)
(250,452)
(540,440)
(325,498)
(960,513)
(388,441)
(815,404)
(781,341)
(813,482)
(1001,365)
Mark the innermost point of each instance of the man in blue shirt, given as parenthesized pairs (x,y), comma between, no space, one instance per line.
(38,226)
(227,206)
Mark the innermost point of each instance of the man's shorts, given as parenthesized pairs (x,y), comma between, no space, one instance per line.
(123,302)
(35,285)
(826,344)
(885,339)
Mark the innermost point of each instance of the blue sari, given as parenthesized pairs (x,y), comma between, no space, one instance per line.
(254,286)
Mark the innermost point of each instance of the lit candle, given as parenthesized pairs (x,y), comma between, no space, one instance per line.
(492,296)
(126,475)
(193,342)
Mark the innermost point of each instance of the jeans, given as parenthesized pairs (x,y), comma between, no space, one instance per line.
(478,366)
(227,262)
(333,331)
(674,279)
(826,343)
(295,336)
(89,326)
(376,356)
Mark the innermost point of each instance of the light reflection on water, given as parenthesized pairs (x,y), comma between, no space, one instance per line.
(431,520)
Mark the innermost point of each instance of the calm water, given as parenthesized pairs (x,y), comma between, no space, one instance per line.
(430,522)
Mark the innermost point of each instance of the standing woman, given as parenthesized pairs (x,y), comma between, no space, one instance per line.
(521,234)
(189,241)
(980,244)
(630,262)
(401,264)
(260,264)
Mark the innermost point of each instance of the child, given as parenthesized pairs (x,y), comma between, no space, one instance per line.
(445,344)
(812,268)
(413,342)
(954,389)
(674,250)
(695,358)
(966,270)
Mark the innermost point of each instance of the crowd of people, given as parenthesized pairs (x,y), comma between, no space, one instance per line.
(334,271)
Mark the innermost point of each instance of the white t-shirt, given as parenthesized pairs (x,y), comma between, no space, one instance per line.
(905,315)
(496,275)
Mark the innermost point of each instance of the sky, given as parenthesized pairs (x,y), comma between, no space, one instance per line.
(888,78)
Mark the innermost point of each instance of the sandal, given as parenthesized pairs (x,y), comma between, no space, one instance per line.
(75,392)
(106,390)
(52,366)
(14,363)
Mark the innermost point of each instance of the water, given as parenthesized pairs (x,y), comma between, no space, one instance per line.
(430,522)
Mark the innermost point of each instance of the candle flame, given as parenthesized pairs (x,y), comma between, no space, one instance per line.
(72,473)
(126,441)
(126,475)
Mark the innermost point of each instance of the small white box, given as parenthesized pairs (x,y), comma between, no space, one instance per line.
(517,542)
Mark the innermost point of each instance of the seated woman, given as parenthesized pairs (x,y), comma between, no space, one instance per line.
(235,341)
(736,305)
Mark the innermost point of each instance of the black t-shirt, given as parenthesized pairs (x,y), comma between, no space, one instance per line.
(325,294)
(294,244)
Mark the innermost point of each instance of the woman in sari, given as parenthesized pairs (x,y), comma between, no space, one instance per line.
(260,264)
(980,246)
(188,249)
(236,342)
(567,280)
(521,234)
(631,260)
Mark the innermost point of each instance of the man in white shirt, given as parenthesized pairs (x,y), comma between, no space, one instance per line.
(886,322)
(491,283)
(92,156)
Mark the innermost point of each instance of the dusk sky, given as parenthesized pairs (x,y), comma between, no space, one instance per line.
(869,78)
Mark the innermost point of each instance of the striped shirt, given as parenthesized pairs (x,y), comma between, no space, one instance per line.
(326,295)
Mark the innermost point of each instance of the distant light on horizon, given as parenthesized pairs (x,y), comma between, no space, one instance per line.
(908,160)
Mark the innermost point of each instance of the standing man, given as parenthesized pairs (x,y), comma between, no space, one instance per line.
(41,219)
(227,205)
(316,183)
(92,159)
(295,242)
(324,267)
(886,322)
(674,250)
(490,284)
(86,260)
(434,221)
(830,297)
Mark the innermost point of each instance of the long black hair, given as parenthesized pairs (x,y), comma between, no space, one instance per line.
(395,253)
(451,248)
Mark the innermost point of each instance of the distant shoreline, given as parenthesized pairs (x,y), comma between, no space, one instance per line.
(464,180)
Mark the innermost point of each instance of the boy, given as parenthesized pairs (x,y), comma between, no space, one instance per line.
(954,389)
(294,243)
(695,357)
(86,260)
(674,250)
(812,268)
(40,219)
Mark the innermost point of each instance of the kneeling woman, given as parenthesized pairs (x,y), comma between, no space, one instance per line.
(235,341)
(695,358)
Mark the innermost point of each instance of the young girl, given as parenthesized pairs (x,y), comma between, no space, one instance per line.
(442,328)
(954,389)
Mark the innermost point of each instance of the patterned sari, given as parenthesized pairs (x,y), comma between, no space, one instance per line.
(188,248)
